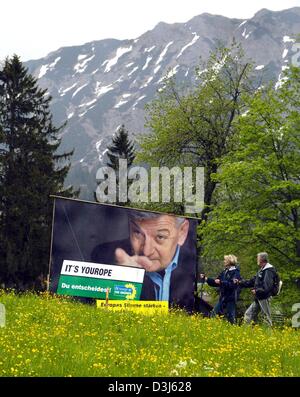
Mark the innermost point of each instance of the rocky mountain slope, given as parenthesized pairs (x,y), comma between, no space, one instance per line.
(100,85)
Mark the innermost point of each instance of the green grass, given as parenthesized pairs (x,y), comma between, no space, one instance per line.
(52,336)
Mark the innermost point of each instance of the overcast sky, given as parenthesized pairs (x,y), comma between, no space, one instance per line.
(33,28)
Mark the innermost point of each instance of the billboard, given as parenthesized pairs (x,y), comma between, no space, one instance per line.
(129,254)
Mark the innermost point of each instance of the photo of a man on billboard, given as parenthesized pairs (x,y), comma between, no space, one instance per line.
(163,245)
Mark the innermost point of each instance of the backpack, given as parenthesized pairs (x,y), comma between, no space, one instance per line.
(277,283)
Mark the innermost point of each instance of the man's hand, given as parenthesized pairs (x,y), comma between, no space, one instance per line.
(218,281)
(236,281)
(124,259)
(253,291)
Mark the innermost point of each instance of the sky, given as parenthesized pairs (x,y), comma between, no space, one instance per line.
(33,28)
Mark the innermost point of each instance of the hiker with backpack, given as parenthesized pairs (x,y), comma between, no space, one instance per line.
(264,284)
(228,290)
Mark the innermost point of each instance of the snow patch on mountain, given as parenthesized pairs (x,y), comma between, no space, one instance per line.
(188,45)
(63,92)
(246,35)
(45,68)
(147,82)
(163,53)
(111,62)
(138,100)
(87,103)
(132,71)
(259,67)
(120,103)
(149,49)
(87,106)
(79,89)
(81,66)
(119,80)
(243,23)
(102,90)
(147,63)
(285,52)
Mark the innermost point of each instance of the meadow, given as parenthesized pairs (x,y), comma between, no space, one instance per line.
(54,336)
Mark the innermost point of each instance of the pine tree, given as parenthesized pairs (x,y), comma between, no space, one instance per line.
(121,148)
(30,170)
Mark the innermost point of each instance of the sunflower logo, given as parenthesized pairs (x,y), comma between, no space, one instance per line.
(133,291)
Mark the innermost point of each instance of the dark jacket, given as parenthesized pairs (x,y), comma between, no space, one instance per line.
(228,289)
(262,282)
(182,284)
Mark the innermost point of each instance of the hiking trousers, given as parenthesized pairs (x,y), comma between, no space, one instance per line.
(253,310)
(228,307)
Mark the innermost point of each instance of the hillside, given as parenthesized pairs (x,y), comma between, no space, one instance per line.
(100,85)
(48,336)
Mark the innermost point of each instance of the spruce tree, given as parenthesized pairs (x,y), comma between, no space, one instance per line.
(121,148)
(30,170)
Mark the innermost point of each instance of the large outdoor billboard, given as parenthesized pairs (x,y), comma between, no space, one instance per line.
(103,250)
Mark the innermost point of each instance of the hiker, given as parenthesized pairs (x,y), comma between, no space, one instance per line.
(262,286)
(228,289)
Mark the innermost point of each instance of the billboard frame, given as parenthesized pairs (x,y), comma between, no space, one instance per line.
(122,207)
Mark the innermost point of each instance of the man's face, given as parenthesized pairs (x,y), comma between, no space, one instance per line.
(157,239)
(260,262)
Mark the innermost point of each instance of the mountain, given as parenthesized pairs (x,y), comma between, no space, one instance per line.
(100,85)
